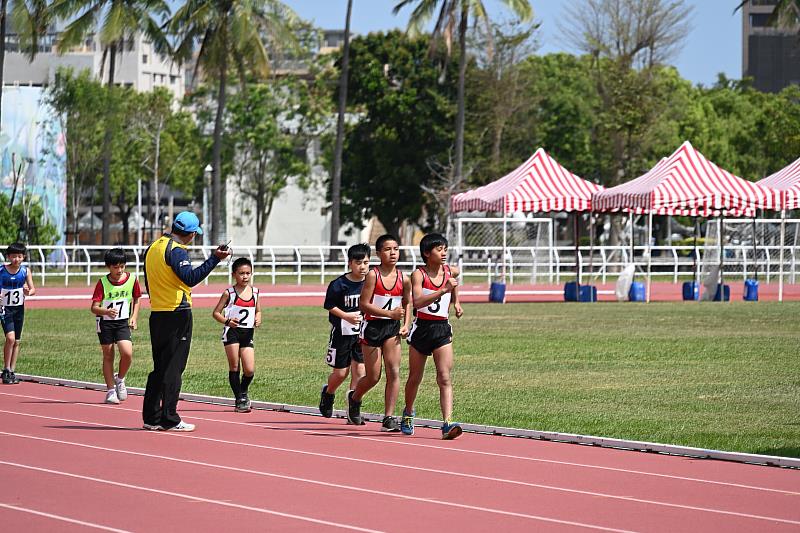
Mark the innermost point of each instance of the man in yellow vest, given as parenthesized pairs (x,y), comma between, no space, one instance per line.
(169,276)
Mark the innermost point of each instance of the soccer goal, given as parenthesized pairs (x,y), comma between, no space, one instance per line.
(517,249)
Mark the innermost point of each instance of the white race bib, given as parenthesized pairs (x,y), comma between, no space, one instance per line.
(122,306)
(12,297)
(387,303)
(245,315)
(348,328)
(440,307)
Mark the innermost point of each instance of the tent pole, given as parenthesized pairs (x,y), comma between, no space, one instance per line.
(755,251)
(721,276)
(505,242)
(577,236)
(633,250)
(696,265)
(649,251)
(591,247)
(780,274)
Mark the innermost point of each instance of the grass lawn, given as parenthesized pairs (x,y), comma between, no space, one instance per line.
(723,376)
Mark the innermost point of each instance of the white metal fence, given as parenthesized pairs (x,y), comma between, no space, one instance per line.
(523,264)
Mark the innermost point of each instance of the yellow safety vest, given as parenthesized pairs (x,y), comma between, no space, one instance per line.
(167,291)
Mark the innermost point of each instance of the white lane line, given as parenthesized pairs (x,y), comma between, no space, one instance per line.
(62,518)
(447,449)
(184,496)
(419,469)
(305,480)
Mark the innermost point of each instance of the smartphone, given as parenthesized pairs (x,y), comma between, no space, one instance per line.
(225,246)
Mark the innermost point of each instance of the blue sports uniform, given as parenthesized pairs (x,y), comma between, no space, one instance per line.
(12,300)
(343,345)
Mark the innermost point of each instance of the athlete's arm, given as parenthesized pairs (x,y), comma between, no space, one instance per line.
(366,293)
(407,301)
(133,322)
(257,323)
(97,303)
(455,272)
(353,318)
(182,266)
(422,300)
(217,312)
(29,283)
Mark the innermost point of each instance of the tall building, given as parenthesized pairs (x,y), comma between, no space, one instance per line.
(770,54)
(138,66)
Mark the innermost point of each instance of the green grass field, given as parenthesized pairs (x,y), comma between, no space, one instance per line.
(723,376)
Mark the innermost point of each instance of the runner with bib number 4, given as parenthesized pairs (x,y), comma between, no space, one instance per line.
(434,288)
(385,301)
(239,310)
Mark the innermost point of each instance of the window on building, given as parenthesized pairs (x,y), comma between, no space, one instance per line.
(759,20)
(763,2)
(173,79)
(144,58)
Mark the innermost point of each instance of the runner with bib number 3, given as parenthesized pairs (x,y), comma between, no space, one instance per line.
(434,288)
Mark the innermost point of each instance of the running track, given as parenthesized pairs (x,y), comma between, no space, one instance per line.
(71,463)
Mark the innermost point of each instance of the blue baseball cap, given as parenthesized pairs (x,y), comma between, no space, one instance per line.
(188,222)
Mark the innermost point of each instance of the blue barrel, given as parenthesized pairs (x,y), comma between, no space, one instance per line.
(497,292)
(571,291)
(691,290)
(723,293)
(751,290)
(637,292)
(588,293)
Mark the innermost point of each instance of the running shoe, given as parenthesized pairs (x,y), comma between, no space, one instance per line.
(243,404)
(182,426)
(111,396)
(407,423)
(122,391)
(326,402)
(451,430)
(13,377)
(390,424)
(353,410)
(152,427)
(6,376)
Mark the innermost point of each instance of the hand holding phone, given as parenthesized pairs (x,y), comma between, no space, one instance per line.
(223,251)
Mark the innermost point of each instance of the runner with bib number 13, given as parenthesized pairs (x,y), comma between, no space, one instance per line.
(16,282)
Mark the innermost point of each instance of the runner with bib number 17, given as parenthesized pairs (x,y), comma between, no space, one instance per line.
(16,282)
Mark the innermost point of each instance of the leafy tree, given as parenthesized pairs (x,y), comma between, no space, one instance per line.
(24,221)
(115,22)
(269,127)
(403,111)
(232,36)
(454,14)
(79,105)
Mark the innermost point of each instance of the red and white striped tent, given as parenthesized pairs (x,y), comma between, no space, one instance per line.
(686,183)
(540,184)
(787,182)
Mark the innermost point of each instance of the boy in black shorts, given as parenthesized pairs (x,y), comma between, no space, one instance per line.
(433,288)
(344,351)
(16,282)
(115,303)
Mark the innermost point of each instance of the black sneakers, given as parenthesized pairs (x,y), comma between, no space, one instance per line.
(243,404)
(390,424)
(14,378)
(353,410)
(326,402)
(7,377)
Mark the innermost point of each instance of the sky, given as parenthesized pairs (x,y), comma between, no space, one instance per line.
(714,44)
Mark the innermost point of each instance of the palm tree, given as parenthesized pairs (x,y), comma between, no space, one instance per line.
(115,22)
(452,13)
(230,34)
(336,185)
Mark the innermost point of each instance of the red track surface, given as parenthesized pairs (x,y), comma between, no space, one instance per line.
(68,457)
(314,294)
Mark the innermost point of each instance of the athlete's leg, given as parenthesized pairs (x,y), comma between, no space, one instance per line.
(8,349)
(416,369)
(336,378)
(391,361)
(125,349)
(247,356)
(235,381)
(443,359)
(372,366)
(357,372)
(108,364)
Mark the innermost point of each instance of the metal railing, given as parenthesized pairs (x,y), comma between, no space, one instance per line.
(318,264)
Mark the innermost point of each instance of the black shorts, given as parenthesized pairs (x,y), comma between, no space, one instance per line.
(241,336)
(428,335)
(375,332)
(343,349)
(13,317)
(113,331)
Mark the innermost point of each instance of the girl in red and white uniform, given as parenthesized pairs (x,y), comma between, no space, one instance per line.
(434,288)
(239,310)
(385,302)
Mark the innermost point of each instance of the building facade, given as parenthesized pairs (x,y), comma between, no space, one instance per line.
(770,54)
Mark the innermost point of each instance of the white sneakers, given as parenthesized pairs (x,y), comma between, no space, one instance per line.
(182,426)
(122,391)
(111,396)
